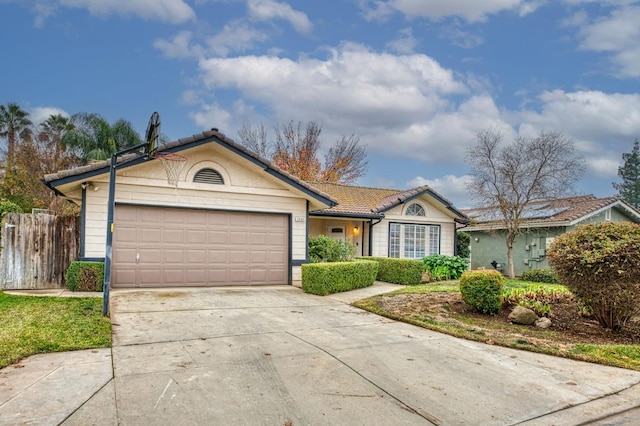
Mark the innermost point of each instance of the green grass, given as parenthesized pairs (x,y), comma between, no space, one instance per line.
(31,325)
(508,335)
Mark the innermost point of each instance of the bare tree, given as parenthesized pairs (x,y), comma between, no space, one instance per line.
(508,178)
(255,138)
(295,150)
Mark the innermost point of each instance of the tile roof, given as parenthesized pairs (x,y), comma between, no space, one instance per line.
(347,200)
(373,202)
(558,212)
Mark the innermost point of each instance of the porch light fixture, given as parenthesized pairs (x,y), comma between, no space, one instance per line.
(355,228)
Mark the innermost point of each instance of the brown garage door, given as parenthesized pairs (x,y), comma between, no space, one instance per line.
(166,247)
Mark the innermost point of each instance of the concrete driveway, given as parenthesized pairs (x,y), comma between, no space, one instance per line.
(277,356)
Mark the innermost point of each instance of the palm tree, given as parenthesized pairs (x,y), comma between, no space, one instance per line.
(52,130)
(14,123)
(95,139)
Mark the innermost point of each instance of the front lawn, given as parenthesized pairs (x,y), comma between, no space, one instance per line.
(31,325)
(439,307)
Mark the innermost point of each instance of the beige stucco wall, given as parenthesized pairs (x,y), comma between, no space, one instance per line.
(247,188)
(434,215)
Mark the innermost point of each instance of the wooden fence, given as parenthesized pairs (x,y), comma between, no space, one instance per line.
(36,250)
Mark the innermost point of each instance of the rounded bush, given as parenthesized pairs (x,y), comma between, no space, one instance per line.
(482,290)
(600,264)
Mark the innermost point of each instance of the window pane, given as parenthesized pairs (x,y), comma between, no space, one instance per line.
(434,240)
(394,240)
(414,241)
(415,210)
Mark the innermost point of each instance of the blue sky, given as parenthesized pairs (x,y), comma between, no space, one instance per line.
(414,79)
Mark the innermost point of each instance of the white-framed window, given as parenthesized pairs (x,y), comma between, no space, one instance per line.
(413,241)
(607,214)
(415,210)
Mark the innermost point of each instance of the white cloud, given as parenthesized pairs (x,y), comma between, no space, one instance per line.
(39,114)
(603,167)
(212,115)
(453,188)
(470,10)
(266,10)
(178,47)
(619,35)
(171,11)
(589,116)
(42,11)
(405,42)
(406,99)
(235,36)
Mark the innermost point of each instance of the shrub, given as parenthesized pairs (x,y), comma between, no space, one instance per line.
(85,276)
(481,290)
(442,267)
(463,239)
(536,298)
(600,264)
(398,271)
(325,249)
(540,276)
(327,278)
(8,207)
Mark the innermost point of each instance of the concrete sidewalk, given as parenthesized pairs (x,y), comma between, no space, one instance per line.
(276,356)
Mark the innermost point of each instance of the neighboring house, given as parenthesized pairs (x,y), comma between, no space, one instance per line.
(236,219)
(542,222)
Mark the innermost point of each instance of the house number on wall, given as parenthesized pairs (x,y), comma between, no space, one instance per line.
(299,219)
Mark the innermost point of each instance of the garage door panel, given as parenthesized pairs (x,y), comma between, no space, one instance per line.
(126,234)
(127,277)
(238,276)
(150,256)
(125,255)
(172,216)
(185,247)
(196,256)
(236,257)
(148,277)
(219,237)
(218,256)
(238,237)
(149,235)
(173,256)
(172,236)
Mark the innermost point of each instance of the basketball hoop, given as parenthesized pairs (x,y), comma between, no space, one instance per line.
(173,164)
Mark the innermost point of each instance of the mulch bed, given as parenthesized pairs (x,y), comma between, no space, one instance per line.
(565,317)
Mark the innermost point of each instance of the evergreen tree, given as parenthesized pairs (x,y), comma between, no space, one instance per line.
(629,172)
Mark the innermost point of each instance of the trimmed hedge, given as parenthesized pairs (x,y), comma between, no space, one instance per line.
(85,276)
(540,276)
(481,289)
(398,271)
(335,277)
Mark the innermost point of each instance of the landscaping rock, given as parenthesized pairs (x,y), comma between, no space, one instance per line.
(426,277)
(543,323)
(521,315)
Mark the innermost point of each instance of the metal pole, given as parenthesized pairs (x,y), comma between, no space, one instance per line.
(107,257)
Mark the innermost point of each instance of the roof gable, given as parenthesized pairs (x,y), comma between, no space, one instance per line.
(83,173)
(361,201)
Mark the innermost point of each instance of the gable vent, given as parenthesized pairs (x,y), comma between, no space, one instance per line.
(210,176)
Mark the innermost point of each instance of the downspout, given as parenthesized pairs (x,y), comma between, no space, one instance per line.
(371,225)
(83,219)
(455,239)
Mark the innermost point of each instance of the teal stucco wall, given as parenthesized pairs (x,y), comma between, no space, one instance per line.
(529,248)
